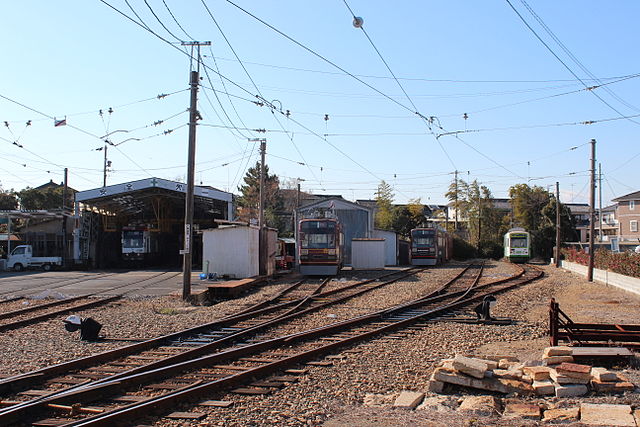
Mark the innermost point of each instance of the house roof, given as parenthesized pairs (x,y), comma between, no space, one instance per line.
(338,201)
(631,196)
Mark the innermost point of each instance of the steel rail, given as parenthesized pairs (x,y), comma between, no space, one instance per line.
(22,381)
(113,384)
(48,315)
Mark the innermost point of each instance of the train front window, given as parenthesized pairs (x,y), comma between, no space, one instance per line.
(423,238)
(132,239)
(518,242)
(319,241)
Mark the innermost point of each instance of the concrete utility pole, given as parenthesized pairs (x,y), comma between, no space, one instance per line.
(104,170)
(64,218)
(557,254)
(188,209)
(456,200)
(600,201)
(262,257)
(592,202)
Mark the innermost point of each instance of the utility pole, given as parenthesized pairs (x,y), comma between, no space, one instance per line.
(104,170)
(188,209)
(557,254)
(64,218)
(592,198)
(262,257)
(456,201)
(600,201)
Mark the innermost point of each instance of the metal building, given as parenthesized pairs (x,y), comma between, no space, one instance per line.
(151,210)
(356,220)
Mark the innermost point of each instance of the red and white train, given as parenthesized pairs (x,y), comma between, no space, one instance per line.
(320,247)
(430,246)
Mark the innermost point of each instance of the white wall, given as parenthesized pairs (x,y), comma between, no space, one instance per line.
(367,254)
(390,245)
(627,283)
(231,250)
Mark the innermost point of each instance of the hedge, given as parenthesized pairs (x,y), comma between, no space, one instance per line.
(627,263)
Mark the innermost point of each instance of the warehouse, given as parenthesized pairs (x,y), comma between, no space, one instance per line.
(141,223)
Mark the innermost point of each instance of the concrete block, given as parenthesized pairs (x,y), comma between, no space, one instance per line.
(538,373)
(469,366)
(574,370)
(408,399)
(490,384)
(564,379)
(507,374)
(603,374)
(544,388)
(435,403)
(480,405)
(556,360)
(435,386)
(561,415)
(606,415)
(571,390)
(611,386)
(557,351)
(527,411)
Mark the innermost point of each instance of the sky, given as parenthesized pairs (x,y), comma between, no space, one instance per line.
(422,89)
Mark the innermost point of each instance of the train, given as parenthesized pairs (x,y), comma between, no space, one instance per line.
(320,247)
(517,245)
(138,243)
(430,246)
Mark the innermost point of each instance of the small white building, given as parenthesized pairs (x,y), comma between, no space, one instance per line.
(368,254)
(390,245)
(232,250)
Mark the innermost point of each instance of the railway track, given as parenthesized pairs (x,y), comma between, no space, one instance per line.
(187,344)
(47,310)
(48,286)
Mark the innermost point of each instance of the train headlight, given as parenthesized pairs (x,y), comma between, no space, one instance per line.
(331,252)
(304,251)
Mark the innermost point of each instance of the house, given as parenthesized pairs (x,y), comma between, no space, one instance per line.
(610,226)
(628,216)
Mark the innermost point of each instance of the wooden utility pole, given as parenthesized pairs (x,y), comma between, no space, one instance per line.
(262,231)
(104,170)
(592,198)
(557,254)
(64,218)
(188,208)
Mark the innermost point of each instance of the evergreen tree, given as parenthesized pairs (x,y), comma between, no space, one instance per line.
(45,198)
(249,199)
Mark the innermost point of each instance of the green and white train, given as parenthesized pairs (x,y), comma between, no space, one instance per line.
(517,245)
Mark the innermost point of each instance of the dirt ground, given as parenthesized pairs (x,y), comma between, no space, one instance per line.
(581,300)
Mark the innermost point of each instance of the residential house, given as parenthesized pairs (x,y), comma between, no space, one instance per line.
(628,216)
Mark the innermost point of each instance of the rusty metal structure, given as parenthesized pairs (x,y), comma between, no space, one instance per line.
(564,330)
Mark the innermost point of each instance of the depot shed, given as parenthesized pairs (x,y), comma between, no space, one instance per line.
(368,254)
(232,250)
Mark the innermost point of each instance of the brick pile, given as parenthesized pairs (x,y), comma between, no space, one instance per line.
(555,374)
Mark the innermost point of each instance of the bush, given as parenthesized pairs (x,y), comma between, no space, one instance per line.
(489,249)
(627,263)
(462,249)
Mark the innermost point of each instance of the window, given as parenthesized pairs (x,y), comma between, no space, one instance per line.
(632,205)
(633,226)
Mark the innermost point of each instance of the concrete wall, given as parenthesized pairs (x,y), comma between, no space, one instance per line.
(627,283)
(368,254)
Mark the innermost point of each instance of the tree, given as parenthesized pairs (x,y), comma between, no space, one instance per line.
(534,209)
(45,197)
(406,218)
(249,200)
(8,200)
(384,201)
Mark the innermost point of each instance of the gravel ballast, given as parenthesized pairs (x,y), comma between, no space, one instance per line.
(334,396)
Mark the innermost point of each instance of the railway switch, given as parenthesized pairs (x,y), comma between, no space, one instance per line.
(89,328)
(483,310)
